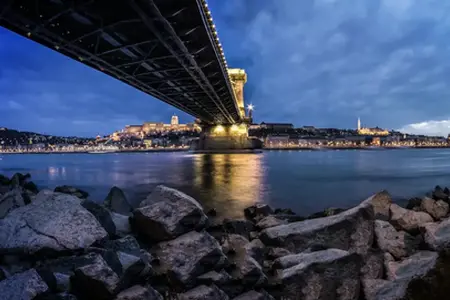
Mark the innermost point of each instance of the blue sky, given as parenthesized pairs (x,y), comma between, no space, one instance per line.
(309,62)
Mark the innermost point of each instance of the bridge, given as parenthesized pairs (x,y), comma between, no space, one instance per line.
(168,49)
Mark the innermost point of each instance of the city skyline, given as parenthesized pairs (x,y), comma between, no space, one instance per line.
(320,63)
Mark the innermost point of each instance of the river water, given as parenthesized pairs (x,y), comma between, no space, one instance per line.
(305,181)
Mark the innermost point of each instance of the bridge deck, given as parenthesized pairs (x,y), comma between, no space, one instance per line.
(166,48)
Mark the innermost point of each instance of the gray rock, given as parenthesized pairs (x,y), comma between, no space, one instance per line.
(248,271)
(439,194)
(95,281)
(165,194)
(204,292)
(134,269)
(350,230)
(397,243)
(381,202)
(127,244)
(378,289)
(238,226)
(217,278)
(60,296)
(409,273)
(276,252)
(167,220)
(235,243)
(258,210)
(437,209)
(18,180)
(102,215)
(139,292)
(254,295)
(270,221)
(303,275)
(437,235)
(52,222)
(62,282)
(373,267)
(188,256)
(117,202)
(407,220)
(22,286)
(10,201)
(417,265)
(121,223)
(70,190)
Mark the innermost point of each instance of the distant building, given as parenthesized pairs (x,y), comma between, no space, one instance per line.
(277,126)
(174,120)
(370,131)
(131,129)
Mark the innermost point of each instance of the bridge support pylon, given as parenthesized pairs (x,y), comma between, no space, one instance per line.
(218,138)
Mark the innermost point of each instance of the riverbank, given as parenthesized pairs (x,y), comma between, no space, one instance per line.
(157,150)
(61,245)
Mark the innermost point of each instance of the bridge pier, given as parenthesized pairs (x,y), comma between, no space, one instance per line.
(225,137)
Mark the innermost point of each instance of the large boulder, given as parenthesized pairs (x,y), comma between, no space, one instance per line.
(139,292)
(238,226)
(437,209)
(350,230)
(70,190)
(18,179)
(165,194)
(373,267)
(327,274)
(397,243)
(204,292)
(53,221)
(102,215)
(117,202)
(122,224)
(439,194)
(416,277)
(270,221)
(408,220)
(416,265)
(167,213)
(381,202)
(167,220)
(96,281)
(10,201)
(188,256)
(23,286)
(437,235)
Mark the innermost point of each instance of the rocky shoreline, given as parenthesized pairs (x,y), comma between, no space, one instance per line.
(59,245)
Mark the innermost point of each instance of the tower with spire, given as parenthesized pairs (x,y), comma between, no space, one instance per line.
(359,124)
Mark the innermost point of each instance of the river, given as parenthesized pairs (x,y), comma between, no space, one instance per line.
(305,181)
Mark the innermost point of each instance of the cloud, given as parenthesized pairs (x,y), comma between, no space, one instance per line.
(432,128)
(327,62)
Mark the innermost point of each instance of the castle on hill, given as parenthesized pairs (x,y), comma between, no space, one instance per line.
(370,131)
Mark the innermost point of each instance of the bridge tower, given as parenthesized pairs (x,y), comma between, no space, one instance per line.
(238,79)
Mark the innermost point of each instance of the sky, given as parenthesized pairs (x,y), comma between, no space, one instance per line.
(311,62)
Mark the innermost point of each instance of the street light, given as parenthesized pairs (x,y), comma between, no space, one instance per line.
(250,108)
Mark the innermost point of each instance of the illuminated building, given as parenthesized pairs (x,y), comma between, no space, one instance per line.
(174,120)
(130,129)
(371,131)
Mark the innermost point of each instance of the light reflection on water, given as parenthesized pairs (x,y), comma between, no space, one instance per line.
(305,181)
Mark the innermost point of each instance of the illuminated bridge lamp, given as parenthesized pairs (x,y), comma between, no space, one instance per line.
(234,128)
(250,108)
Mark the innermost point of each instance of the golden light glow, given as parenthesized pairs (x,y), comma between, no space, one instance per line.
(250,107)
(234,128)
(219,129)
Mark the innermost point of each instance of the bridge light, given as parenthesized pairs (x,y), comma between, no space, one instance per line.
(219,129)
(234,128)
(29,34)
(250,107)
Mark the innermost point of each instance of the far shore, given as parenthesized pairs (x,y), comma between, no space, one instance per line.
(366,148)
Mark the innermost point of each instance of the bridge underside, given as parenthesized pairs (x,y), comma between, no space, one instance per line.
(165,48)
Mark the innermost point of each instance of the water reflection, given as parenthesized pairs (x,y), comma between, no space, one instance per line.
(228,182)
